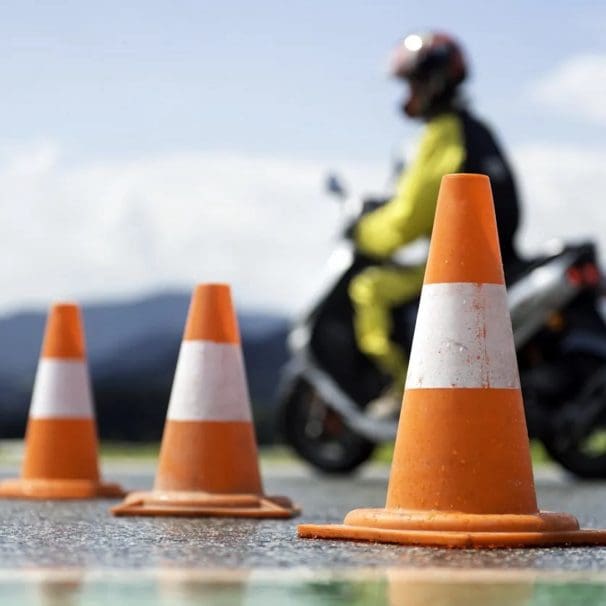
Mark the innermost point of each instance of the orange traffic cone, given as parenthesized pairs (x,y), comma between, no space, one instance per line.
(461,474)
(208,459)
(61,439)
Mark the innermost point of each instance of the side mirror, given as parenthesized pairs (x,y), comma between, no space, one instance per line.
(334,186)
(397,167)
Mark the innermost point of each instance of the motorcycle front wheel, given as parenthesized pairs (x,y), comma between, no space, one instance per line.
(318,433)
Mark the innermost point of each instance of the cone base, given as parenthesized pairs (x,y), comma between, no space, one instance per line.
(456,530)
(54,489)
(453,540)
(447,521)
(204,504)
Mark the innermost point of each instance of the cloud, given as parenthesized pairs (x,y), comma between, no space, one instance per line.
(561,187)
(577,87)
(97,229)
(115,229)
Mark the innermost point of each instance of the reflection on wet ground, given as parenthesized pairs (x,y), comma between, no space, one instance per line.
(302,587)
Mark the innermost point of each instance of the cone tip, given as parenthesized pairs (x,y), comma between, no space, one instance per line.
(466,177)
(210,289)
(464,242)
(474,188)
(65,307)
(211,315)
(64,335)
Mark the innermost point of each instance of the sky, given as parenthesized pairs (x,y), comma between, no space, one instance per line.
(148,146)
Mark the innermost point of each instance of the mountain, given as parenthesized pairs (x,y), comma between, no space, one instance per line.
(132,350)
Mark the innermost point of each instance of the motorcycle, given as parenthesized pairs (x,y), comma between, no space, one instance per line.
(560,336)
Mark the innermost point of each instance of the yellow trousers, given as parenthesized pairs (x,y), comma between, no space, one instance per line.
(374,293)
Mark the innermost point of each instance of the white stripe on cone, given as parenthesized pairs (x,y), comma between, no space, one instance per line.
(62,389)
(463,338)
(210,384)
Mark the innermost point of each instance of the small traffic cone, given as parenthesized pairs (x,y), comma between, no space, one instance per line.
(61,439)
(208,459)
(461,474)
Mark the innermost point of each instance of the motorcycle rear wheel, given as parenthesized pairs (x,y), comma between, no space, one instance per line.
(583,455)
(576,459)
(319,434)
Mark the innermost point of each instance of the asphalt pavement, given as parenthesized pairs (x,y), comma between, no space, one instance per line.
(76,553)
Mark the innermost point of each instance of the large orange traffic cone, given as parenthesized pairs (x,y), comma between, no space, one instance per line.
(461,474)
(61,439)
(208,459)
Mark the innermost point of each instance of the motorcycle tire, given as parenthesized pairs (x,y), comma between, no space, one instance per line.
(576,461)
(585,459)
(318,434)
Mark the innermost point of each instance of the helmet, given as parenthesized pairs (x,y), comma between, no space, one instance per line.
(434,65)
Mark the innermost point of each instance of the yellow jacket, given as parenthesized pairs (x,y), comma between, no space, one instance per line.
(409,214)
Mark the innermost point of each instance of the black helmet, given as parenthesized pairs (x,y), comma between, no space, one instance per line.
(434,65)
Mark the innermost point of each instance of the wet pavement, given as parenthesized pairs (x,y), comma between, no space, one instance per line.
(64,553)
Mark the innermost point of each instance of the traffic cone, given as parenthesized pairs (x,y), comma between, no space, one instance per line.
(208,459)
(61,459)
(461,474)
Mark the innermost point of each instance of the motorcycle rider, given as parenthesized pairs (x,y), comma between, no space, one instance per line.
(433,66)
